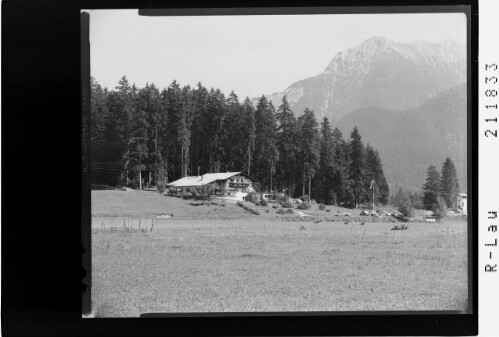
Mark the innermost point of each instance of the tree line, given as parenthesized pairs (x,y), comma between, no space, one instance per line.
(163,135)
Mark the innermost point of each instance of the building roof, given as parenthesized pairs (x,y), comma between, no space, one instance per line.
(207,178)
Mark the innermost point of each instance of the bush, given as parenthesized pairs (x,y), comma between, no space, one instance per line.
(161,186)
(322,207)
(303,206)
(249,209)
(280,211)
(263,202)
(405,207)
(281,197)
(328,210)
(400,227)
(304,197)
(287,204)
(275,206)
(251,197)
(289,211)
(203,197)
(439,209)
(334,198)
(187,197)
(267,210)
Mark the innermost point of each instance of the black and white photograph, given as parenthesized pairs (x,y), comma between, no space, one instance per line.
(279,163)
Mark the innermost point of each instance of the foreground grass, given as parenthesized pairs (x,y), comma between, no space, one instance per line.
(202,266)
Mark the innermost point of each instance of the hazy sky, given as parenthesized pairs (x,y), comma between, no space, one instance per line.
(252,55)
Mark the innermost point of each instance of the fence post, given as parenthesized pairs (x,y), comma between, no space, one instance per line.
(139,227)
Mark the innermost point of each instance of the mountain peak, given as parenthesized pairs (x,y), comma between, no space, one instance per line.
(379,72)
(363,54)
(375,41)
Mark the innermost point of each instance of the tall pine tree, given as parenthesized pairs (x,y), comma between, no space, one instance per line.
(266,154)
(287,133)
(356,168)
(309,147)
(432,188)
(249,131)
(326,168)
(449,183)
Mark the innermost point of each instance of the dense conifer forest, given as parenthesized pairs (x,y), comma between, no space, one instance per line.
(164,135)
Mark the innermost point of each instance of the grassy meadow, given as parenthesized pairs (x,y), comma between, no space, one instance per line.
(214,258)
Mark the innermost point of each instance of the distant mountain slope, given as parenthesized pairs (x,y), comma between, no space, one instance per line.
(409,141)
(379,72)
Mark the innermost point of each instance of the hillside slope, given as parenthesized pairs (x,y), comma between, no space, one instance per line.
(411,140)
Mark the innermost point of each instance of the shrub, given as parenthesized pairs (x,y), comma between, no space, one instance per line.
(275,206)
(328,210)
(203,197)
(263,202)
(287,204)
(289,211)
(405,207)
(187,197)
(334,198)
(257,186)
(303,206)
(322,207)
(439,209)
(281,211)
(304,197)
(281,197)
(400,227)
(251,197)
(161,186)
(267,210)
(249,209)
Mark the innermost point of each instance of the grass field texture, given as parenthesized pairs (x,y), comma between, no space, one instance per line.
(224,259)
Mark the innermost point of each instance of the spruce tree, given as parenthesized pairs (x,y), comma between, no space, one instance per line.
(309,147)
(287,145)
(374,172)
(340,165)
(99,112)
(432,188)
(249,131)
(356,167)
(449,183)
(326,170)
(200,132)
(266,154)
(184,129)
